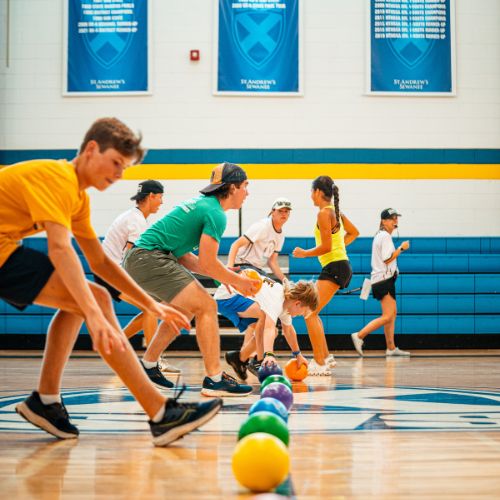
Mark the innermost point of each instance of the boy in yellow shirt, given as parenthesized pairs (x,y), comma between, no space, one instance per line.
(50,196)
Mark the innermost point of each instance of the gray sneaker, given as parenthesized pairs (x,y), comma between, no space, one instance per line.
(396,352)
(166,367)
(358,343)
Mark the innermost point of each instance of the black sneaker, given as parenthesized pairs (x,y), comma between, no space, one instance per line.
(226,387)
(253,366)
(240,367)
(51,418)
(157,377)
(181,418)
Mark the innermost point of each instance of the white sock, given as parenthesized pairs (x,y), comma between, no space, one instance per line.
(49,399)
(149,364)
(217,378)
(161,412)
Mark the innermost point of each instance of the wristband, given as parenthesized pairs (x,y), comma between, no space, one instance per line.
(295,353)
(269,353)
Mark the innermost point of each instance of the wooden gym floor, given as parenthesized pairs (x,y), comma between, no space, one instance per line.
(424,427)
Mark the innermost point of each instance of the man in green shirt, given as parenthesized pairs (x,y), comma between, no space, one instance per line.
(162,259)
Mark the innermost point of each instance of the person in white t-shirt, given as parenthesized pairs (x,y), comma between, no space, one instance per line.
(121,235)
(261,244)
(383,279)
(258,315)
(262,241)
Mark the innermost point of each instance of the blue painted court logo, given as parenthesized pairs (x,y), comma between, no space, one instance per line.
(259,35)
(411,52)
(316,409)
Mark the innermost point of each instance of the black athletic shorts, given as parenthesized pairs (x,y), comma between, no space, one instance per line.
(382,288)
(115,294)
(23,276)
(339,271)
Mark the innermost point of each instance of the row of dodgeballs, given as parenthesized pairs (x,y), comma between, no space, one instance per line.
(261,460)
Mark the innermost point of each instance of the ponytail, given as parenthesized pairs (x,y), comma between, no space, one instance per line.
(336,202)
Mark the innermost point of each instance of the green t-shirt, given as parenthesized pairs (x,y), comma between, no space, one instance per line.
(180,230)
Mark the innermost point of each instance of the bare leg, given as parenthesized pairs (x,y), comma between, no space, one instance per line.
(250,346)
(161,340)
(388,314)
(326,290)
(149,327)
(389,329)
(57,350)
(196,301)
(134,325)
(124,363)
(253,332)
(249,337)
(143,321)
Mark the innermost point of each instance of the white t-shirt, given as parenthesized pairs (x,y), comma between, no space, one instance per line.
(270,298)
(264,241)
(127,227)
(382,249)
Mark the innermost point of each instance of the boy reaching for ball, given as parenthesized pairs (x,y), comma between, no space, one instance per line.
(259,314)
(162,262)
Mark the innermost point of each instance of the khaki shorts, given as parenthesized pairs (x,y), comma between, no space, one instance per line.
(157,272)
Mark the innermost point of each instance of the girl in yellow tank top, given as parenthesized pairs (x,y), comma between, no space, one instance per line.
(337,251)
(333,232)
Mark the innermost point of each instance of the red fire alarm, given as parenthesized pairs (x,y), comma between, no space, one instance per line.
(194,55)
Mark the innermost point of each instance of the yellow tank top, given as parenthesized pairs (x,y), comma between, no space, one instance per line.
(338,251)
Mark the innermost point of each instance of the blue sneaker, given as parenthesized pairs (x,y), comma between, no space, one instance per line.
(226,387)
(156,376)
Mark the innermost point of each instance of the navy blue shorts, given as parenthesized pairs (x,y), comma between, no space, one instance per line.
(231,307)
(23,276)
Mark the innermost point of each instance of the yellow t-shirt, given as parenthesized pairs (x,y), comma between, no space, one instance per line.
(338,251)
(35,191)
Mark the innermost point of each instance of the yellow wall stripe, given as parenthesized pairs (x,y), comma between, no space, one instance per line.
(311,170)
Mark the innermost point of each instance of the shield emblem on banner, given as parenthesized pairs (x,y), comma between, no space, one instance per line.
(107,48)
(411,52)
(258,35)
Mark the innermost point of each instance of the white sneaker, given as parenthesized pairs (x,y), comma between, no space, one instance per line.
(330,361)
(358,343)
(396,352)
(320,370)
(166,367)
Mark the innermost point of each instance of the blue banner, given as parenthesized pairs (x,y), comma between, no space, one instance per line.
(258,46)
(411,46)
(107,47)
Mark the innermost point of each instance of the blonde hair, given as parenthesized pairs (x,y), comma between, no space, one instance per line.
(303,291)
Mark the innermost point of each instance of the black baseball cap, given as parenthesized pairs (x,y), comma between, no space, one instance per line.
(147,187)
(225,173)
(389,213)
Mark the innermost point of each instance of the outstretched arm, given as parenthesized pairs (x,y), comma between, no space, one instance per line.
(275,266)
(112,273)
(67,264)
(210,265)
(291,338)
(325,229)
(241,242)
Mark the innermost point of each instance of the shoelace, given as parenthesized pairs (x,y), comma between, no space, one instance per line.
(178,391)
(229,379)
